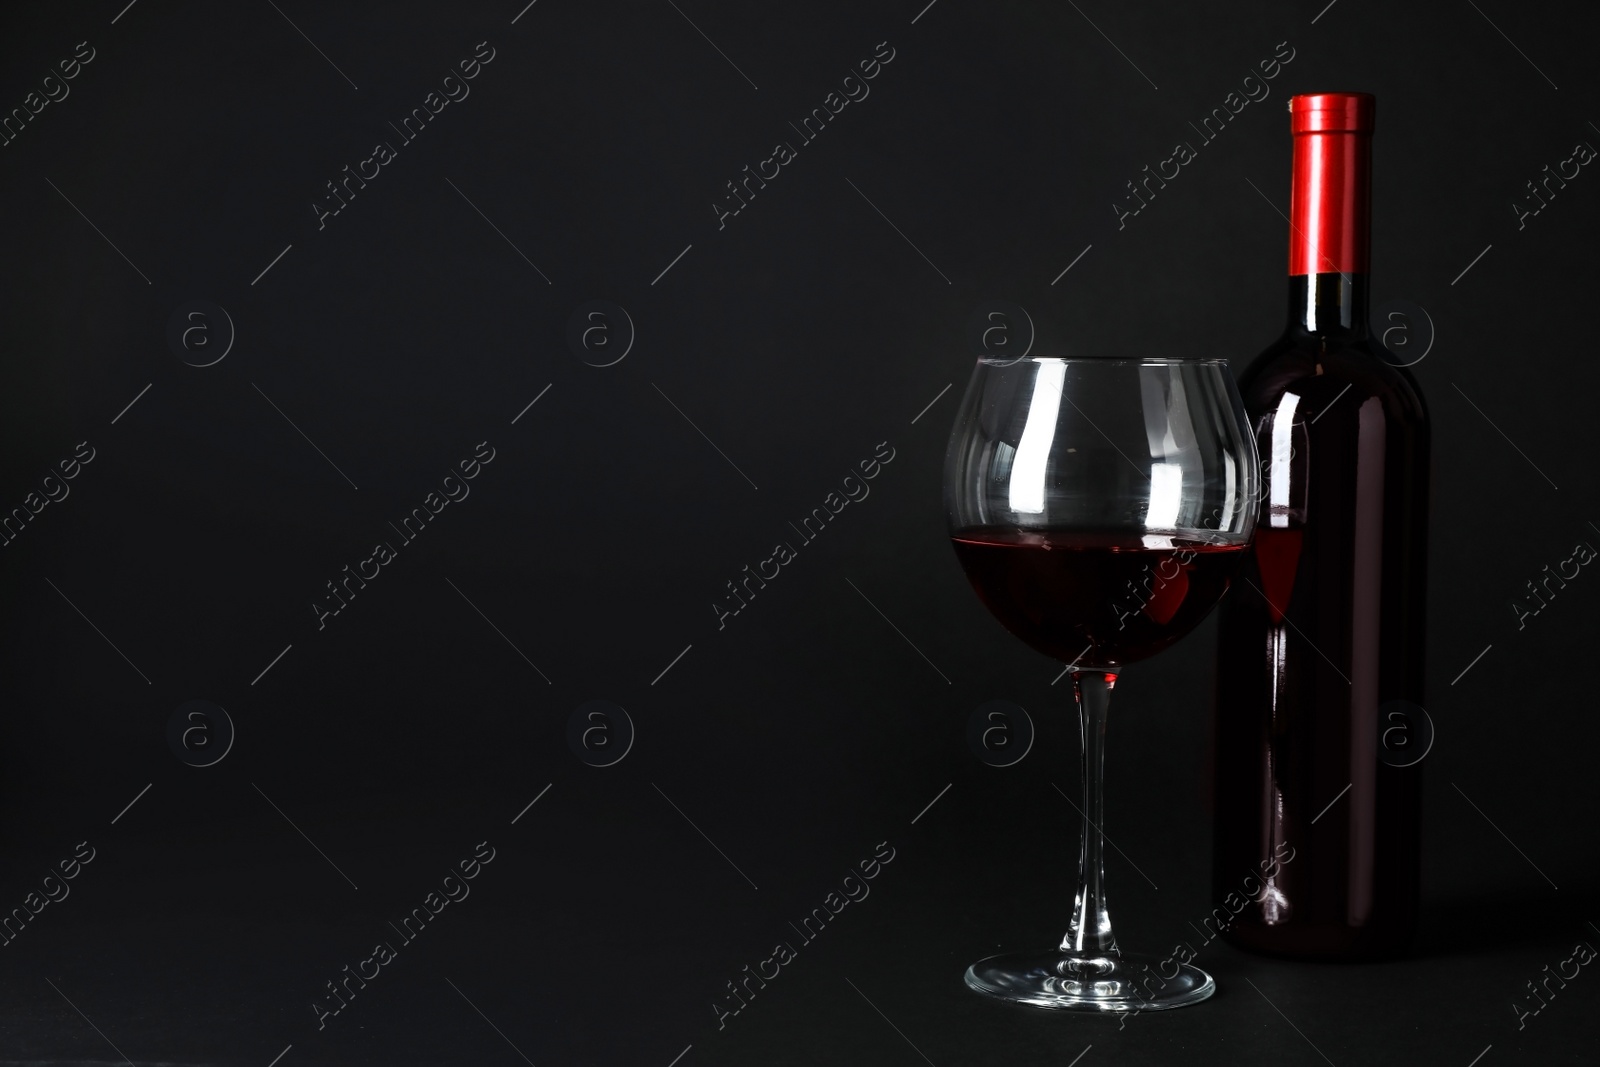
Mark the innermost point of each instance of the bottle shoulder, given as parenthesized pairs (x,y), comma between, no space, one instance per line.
(1319,368)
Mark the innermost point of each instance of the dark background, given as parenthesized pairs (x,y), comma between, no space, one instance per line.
(427,715)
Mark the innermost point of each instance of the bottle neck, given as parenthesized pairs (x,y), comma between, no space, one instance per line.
(1329,229)
(1327,305)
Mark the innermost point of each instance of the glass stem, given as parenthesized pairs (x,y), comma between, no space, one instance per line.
(1090,933)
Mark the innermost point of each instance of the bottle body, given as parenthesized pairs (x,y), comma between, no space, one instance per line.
(1317,820)
(1314,657)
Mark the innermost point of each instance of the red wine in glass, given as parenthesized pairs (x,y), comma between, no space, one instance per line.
(1096,598)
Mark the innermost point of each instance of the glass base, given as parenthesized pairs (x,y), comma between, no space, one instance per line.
(1123,982)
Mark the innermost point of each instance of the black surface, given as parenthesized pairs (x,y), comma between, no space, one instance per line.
(797,338)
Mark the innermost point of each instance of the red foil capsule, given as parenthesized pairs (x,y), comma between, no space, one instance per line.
(1330,189)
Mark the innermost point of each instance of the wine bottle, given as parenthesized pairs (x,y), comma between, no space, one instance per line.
(1317,819)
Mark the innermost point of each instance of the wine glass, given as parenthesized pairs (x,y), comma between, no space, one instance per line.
(1099,507)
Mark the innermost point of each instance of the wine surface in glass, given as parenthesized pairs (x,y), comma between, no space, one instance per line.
(1097,599)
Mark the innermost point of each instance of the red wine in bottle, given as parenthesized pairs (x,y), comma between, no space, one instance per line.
(1091,599)
(1317,819)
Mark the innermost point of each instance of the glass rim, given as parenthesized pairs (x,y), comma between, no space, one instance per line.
(1157,361)
(1209,534)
